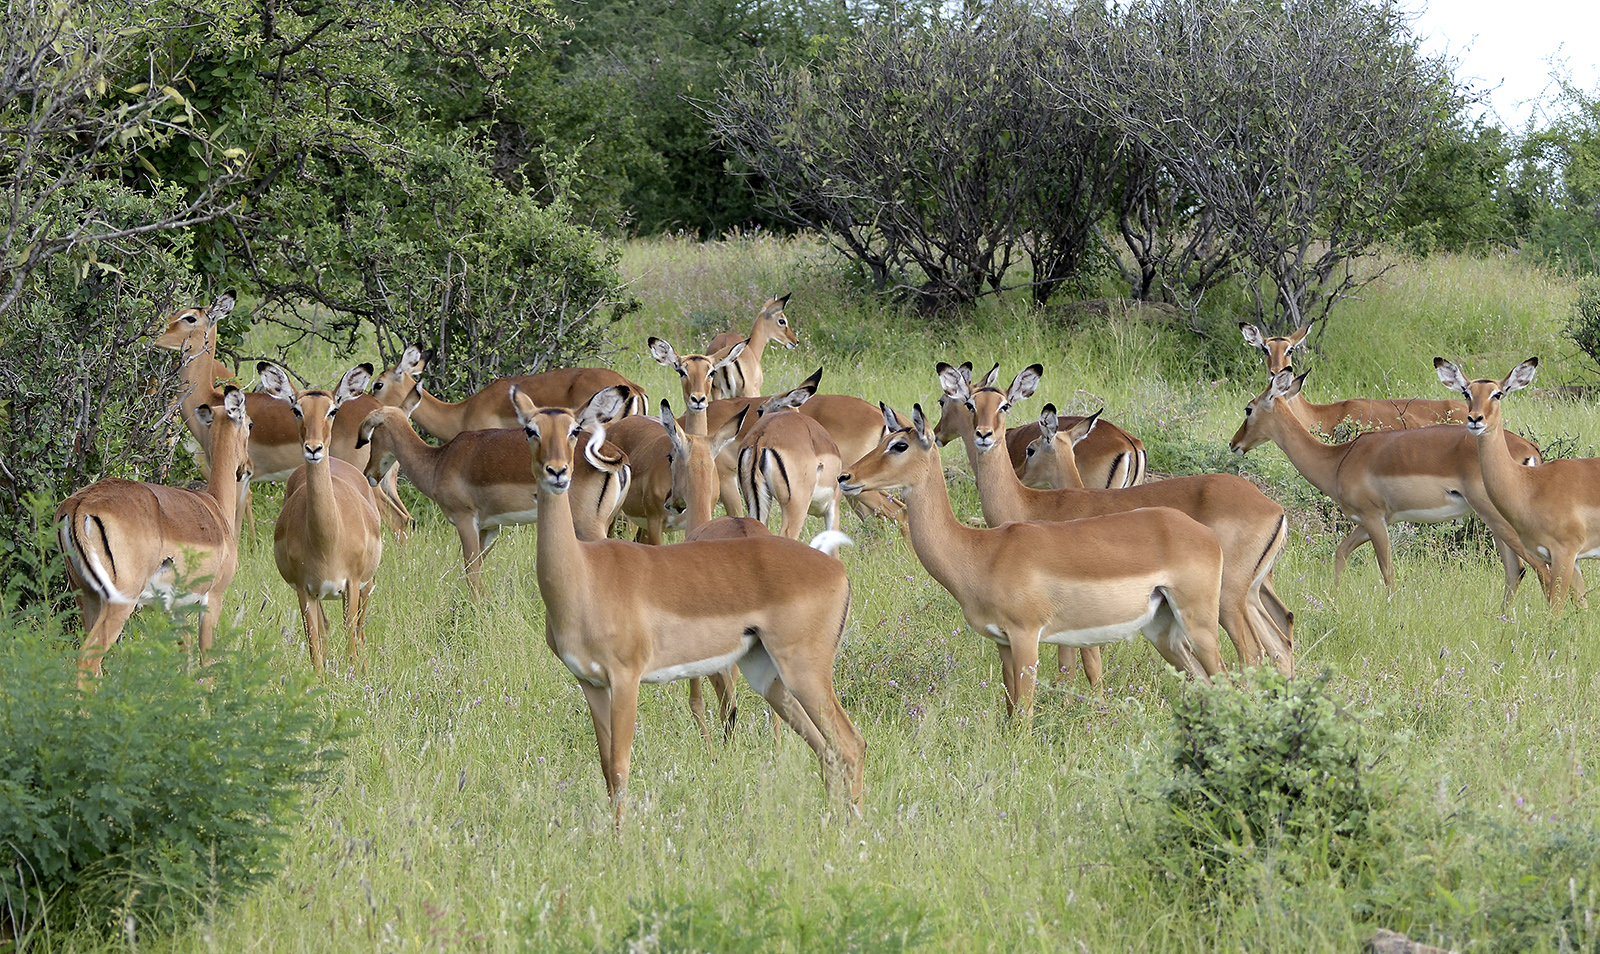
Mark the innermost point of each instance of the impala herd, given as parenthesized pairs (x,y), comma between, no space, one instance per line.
(1081,548)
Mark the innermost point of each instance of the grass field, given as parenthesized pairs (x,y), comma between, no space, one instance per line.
(470,812)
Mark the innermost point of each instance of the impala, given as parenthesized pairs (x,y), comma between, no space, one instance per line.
(326,542)
(1042,463)
(788,462)
(483,480)
(1082,583)
(696,371)
(742,378)
(1249,526)
(618,614)
(720,411)
(1555,507)
(1421,475)
(274,435)
(491,407)
(1368,413)
(1109,457)
(129,543)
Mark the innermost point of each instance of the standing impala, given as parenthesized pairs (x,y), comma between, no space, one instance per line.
(483,480)
(696,370)
(618,614)
(742,378)
(1555,507)
(1248,525)
(1369,413)
(1109,457)
(326,543)
(129,543)
(788,462)
(491,407)
(274,435)
(1422,475)
(1082,583)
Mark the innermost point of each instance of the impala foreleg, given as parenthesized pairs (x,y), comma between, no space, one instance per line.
(471,555)
(697,708)
(599,699)
(624,714)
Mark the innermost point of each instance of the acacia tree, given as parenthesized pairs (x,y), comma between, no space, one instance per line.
(930,154)
(1297,125)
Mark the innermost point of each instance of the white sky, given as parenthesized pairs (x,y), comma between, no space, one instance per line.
(1507,46)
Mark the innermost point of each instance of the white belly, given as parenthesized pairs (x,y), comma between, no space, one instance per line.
(512,518)
(1431,515)
(704,667)
(1101,635)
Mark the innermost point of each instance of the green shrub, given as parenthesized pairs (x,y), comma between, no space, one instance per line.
(1583,326)
(1258,763)
(164,790)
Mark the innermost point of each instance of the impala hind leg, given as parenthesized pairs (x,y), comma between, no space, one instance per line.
(1067,660)
(1187,647)
(840,747)
(697,708)
(1341,553)
(100,634)
(316,625)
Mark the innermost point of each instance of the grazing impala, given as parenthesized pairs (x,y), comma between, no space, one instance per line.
(1109,457)
(696,371)
(129,543)
(788,462)
(326,543)
(1248,525)
(1555,507)
(618,614)
(742,378)
(1421,475)
(1083,583)
(491,407)
(483,480)
(1397,414)
(274,435)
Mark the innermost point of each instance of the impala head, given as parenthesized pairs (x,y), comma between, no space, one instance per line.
(1042,459)
(695,369)
(792,398)
(988,406)
(553,434)
(398,384)
(314,409)
(955,418)
(777,323)
(1276,348)
(1484,395)
(1258,413)
(237,432)
(189,329)
(899,461)
(693,458)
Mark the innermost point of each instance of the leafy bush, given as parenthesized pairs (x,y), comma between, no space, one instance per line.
(162,791)
(1262,762)
(1583,326)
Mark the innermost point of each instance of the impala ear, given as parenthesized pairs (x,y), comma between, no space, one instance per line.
(233,401)
(991,378)
(1024,384)
(1283,384)
(890,421)
(966,371)
(370,424)
(527,412)
(1085,426)
(204,415)
(411,361)
(410,403)
(812,383)
(1298,339)
(663,353)
(1252,335)
(221,308)
(353,384)
(730,357)
(1449,375)
(728,432)
(957,386)
(594,452)
(604,406)
(1520,377)
(1048,422)
(919,426)
(275,381)
(783,301)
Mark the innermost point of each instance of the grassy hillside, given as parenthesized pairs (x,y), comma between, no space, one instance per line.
(470,812)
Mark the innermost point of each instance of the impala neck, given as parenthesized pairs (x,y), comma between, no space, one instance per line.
(196,370)
(442,419)
(1000,490)
(1317,462)
(223,482)
(418,459)
(322,508)
(937,537)
(704,485)
(1503,477)
(694,422)
(561,567)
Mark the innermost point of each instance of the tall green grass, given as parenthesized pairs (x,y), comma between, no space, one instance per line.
(470,813)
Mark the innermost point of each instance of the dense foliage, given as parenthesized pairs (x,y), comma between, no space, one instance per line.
(165,790)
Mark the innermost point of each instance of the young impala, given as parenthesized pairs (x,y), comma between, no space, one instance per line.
(742,377)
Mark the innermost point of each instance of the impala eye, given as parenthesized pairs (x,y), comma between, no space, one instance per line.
(971,408)
(899,447)
(1247,410)
(1032,450)
(377,386)
(682,373)
(782,320)
(1005,407)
